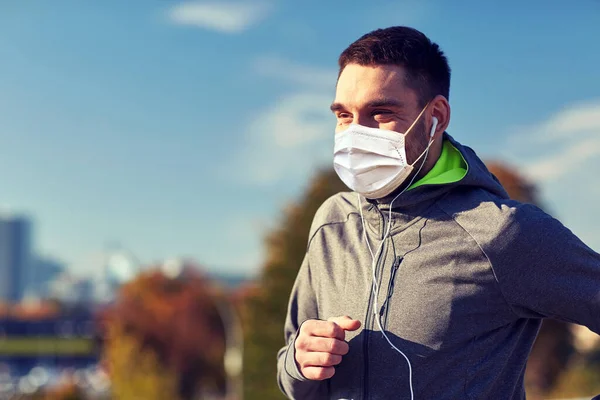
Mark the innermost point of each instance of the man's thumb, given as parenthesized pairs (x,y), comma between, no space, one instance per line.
(346,323)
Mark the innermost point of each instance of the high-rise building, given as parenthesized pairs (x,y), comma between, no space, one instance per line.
(15,257)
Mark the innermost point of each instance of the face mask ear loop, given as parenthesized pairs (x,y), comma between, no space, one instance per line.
(406,132)
(424,154)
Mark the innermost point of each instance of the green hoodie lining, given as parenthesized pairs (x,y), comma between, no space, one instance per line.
(450,167)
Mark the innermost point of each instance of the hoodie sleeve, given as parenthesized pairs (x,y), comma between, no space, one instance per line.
(544,270)
(302,306)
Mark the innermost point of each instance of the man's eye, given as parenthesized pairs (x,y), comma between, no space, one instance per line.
(344,115)
(381,112)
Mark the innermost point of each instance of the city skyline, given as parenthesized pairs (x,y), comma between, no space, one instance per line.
(183,129)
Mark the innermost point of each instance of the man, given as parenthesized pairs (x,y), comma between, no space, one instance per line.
(425,282)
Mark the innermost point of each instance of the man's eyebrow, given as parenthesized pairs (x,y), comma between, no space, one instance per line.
(382,102)
(385,102)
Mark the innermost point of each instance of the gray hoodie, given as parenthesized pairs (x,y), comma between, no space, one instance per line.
(465,280)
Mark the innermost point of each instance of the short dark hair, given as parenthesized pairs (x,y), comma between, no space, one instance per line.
(427,69)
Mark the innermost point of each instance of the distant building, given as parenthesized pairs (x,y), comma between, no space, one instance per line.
(43,272)
(72,290)
(15,257)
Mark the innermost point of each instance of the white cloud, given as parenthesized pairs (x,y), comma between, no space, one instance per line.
(565,142)
(293,135)
(569,159)
(221,16)
(578,119)
(294,121)
(288,139)
(582,119)
(279,68)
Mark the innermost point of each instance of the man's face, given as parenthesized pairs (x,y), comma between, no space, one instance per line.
(377,97)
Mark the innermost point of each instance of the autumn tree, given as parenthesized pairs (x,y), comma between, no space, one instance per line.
(136,372)
(170,326)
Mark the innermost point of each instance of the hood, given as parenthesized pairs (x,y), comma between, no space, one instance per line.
(477,176)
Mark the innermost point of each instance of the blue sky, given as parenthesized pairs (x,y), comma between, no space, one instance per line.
(183,128)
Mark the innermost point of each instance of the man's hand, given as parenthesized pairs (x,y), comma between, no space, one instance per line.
(320,345)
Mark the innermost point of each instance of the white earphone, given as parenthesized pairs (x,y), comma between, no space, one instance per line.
(433,126)
(374,257)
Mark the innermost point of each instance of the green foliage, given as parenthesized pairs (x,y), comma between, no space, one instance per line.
(286,247)
(582,379)
(136,372)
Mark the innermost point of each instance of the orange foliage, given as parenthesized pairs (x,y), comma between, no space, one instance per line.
(517,187)
(178,320)
(68,391)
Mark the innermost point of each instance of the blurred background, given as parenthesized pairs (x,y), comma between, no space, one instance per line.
(161,162)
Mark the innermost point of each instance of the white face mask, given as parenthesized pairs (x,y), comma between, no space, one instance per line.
(372,161)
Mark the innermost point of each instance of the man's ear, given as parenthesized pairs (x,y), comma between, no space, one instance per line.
(440,109)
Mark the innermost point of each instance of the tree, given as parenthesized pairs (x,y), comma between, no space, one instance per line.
(517,187)
(175,327)
(579,380)
(267,308)
(136,372)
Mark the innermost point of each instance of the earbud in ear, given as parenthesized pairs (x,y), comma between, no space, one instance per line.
(433,126)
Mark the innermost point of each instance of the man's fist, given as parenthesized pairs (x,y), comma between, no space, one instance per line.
(321,344)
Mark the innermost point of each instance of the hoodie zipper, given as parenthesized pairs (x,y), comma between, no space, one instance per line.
(368,322)
(385,308)
(369,316)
